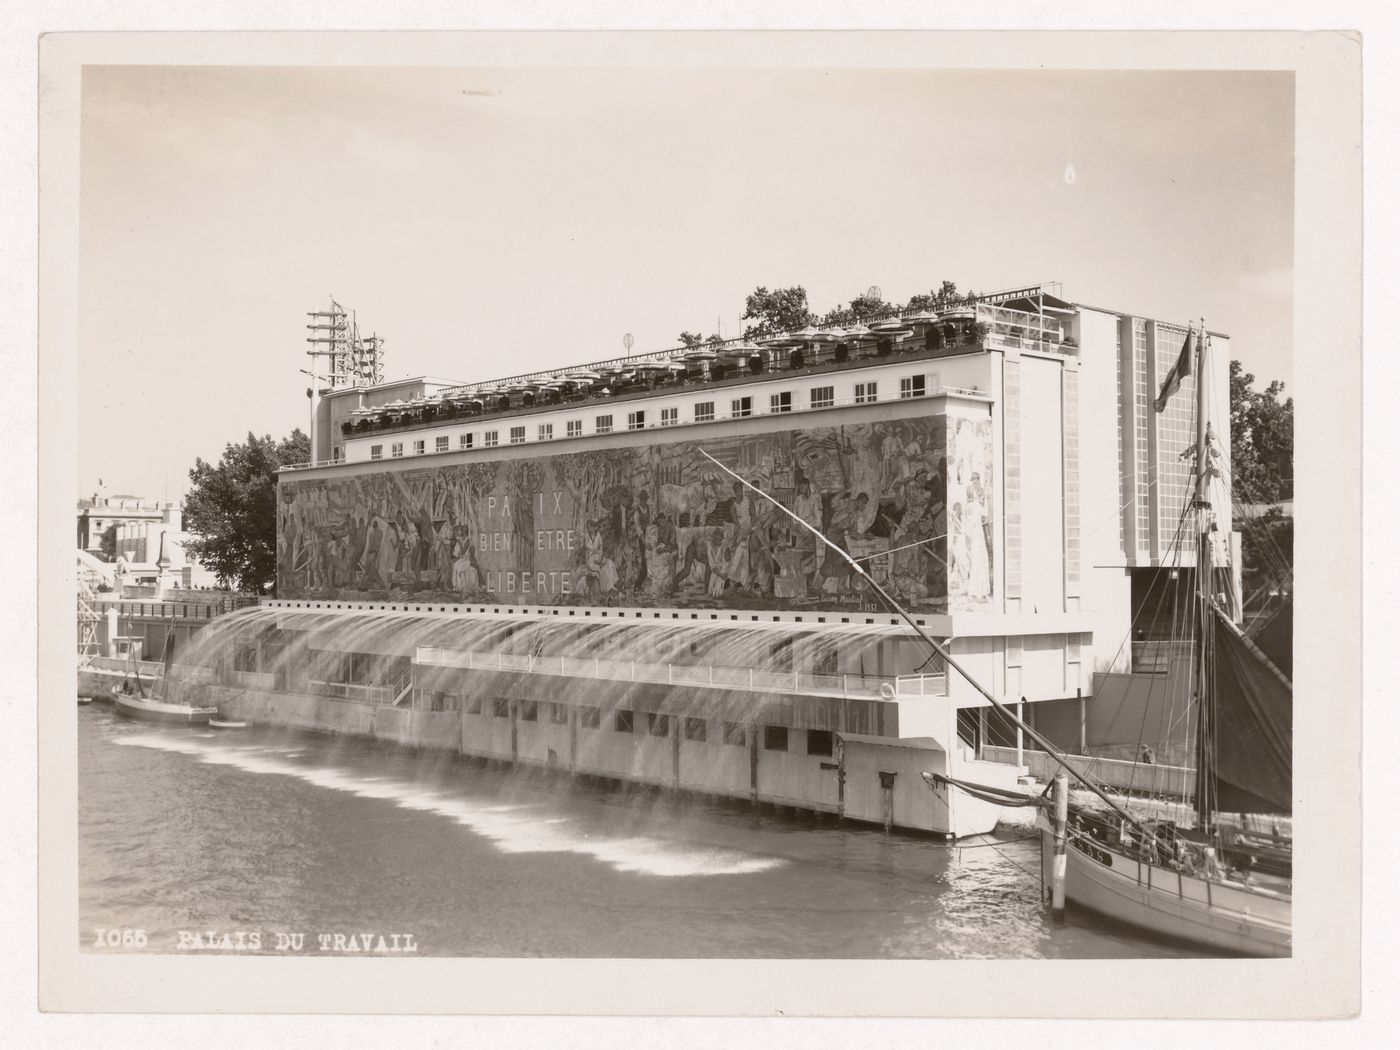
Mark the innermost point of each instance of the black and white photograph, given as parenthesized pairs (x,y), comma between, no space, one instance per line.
(649,497)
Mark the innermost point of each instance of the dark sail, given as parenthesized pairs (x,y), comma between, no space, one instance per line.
(1252,731)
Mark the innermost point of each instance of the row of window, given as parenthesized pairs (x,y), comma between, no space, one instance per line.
(704,412)
(775,738)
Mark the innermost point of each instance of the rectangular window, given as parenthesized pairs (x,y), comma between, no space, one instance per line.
(865,393)
(780,402)
(734,733)
(500,708)
(517,435)
(335,454)
(419,447)
(376,452)
(775,738)
(622,721)
(546,431)
(740,407)
(559,714)
(658,725)
(588,717)
(636,420)
(464,441)
(529,711)
(473,705)
(823,396)
(913,386)
(819,742)
(670,417)
(695,729)
(704,411)
(396,449)
(440,444)
(573,428)
(492,438)
(602,425)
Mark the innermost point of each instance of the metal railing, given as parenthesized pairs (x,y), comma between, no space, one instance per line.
(869,687)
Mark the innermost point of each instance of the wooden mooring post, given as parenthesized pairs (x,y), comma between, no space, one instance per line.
(1060,821)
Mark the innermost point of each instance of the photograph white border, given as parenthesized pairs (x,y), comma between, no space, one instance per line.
(1321,979)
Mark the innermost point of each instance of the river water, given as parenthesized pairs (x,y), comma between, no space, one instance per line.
(200,831)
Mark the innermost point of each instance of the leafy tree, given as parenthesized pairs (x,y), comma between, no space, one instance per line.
(691,338)
(1261,440)
(232,508)
(109,543)
(781,310)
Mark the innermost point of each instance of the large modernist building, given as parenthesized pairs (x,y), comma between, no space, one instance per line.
(613,569)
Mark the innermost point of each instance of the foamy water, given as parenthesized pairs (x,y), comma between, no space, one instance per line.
(511,828)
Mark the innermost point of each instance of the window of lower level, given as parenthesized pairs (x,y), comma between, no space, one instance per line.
(865,393)
(913,386)
(670,417)
(517,435)
(775,738)
(637,420)
(696,729)
(529,711)
(546,431)
(603,425)
(440,443)
(500,708)
(419,447)
(376,452)
(491,438)
(622,721)
(819,742)
(740,407)
(396,449)
(658,725)
(464,441)
(573,428)
(704,411)
(823,396)
(780,402)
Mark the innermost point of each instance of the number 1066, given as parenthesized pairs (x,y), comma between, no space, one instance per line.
(122,938)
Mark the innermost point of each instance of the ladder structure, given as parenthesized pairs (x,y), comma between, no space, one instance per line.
(352,359)
(88,619)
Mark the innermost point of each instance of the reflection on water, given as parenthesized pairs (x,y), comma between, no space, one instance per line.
(211,830)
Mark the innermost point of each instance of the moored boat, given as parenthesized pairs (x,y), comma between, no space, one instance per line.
(134,701)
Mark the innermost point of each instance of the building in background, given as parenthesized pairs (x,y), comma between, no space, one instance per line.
(148,544)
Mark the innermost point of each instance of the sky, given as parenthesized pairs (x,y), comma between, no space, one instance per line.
(492,221)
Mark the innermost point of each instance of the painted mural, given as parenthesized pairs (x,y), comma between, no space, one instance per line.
(660,525)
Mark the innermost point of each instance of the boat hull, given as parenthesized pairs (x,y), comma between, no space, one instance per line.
(159,711)
(1227,916)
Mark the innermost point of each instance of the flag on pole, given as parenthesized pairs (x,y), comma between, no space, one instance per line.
(1179,371)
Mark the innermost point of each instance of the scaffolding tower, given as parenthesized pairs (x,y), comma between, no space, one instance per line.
(88,619)
(353,359)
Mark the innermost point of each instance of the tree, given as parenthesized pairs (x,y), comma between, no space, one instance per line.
(691,338)
(232,509)
(1261,440)
(781,310)
(109,543)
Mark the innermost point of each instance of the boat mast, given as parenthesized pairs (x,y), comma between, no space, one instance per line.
(1201,506)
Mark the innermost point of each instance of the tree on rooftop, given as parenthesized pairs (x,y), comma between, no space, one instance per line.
(781,310)
(691,338)
(109,543)
(232,509)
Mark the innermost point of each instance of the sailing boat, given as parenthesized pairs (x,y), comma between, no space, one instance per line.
(135,700)
(1226,882)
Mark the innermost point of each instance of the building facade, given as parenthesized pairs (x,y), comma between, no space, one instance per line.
(999,469)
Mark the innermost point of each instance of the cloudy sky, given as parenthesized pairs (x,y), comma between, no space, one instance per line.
(491,221)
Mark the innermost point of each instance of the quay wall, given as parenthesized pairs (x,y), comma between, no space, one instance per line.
(864,779)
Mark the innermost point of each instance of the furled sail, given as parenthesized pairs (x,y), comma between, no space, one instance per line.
(1252,741)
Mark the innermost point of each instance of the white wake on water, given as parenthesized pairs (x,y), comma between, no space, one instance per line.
(512,829)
